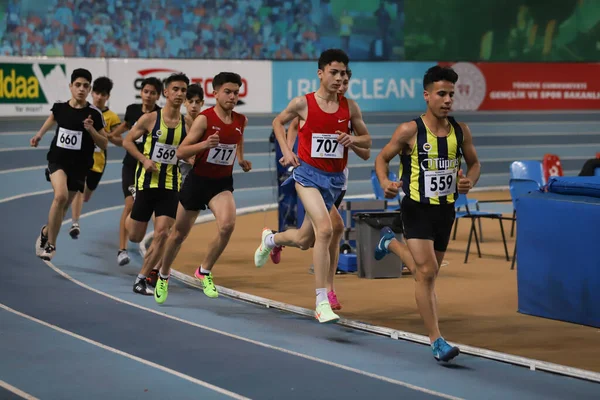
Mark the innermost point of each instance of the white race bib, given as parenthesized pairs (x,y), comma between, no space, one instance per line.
(68,139)
(223,154)
(440,183)
(325,145)
(164,153)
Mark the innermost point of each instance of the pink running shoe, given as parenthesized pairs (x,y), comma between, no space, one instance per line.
(276,254)
(333,301)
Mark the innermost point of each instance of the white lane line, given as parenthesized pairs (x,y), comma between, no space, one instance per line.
(23,195)
(17,391)
(127,355)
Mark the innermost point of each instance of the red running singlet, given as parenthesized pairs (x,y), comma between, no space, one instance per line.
(218,161)
(317,140)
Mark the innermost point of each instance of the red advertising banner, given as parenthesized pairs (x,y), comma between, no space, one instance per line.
(526,86)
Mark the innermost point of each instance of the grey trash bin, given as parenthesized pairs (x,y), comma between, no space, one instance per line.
(368,227)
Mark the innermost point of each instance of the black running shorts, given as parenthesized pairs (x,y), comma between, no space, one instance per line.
(198,191)
(127,179)
(93,179)
(428,221)
(154,201)
(75,175)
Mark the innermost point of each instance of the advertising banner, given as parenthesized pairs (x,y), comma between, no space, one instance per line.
(128,74)
(29,86)
(377,86)
(527,86)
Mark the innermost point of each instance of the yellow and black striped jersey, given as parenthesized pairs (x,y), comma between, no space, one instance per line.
(160,145)
(429,173)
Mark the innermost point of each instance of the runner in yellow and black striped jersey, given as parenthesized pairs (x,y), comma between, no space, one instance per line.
(157,174)
(431,148)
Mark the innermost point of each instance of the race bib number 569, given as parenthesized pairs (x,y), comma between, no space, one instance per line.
(440,183)
(325,145)
(164,153)
(68,139)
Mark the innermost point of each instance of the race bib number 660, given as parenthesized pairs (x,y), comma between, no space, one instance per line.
(440,183)
(68,139)
(325,145)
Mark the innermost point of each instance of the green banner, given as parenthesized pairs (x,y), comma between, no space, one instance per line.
(500,30)
(25,83)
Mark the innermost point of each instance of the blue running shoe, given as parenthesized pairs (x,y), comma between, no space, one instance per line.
(442,351)
(381,251)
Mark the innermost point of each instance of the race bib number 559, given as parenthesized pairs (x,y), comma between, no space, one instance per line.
(325,145)
(440,183)
(68,139)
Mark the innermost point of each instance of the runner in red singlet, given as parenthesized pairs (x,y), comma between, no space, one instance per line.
(216,140)
(324,139)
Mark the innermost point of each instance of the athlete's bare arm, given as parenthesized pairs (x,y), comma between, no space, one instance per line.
(35,140)
(362,138)
(245,164)
(115,135)
(403,139)
(292,132)
(192,145)
(142,127)
(99,138)
(298,107)
(473,164)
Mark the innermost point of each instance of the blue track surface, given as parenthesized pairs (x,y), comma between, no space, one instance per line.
(112,343)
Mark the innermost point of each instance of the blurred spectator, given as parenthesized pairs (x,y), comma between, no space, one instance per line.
(228,29)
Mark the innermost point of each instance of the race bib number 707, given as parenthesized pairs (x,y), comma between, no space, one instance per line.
(325,145)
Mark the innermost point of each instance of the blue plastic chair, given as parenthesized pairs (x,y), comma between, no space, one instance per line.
(597,172)
(518,188)
(526,169)
(473,215)
(378,190)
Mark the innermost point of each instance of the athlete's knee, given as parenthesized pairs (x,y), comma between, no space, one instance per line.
(226,228)
(178,235)
(160,236)
(61,199)
(337,226)
(427,272)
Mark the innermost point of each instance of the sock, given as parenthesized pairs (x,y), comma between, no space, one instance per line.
(75,221)
(204,271)
(386,244)
(122,250)
(321,295)
(270,241)
(140,277)
(165,277)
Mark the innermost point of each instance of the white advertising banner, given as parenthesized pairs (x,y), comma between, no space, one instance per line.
(30,85)
(128,74)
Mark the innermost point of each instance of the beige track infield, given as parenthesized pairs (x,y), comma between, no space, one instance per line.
(477,301)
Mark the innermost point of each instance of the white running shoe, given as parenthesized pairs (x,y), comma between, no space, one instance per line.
(261,255)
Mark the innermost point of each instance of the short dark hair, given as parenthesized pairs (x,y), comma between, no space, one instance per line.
(438,73)
(194,90)
(102,85)
(81,73)
(349,73)
(177,77)
(226,77)
(152,81)
(333,55)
